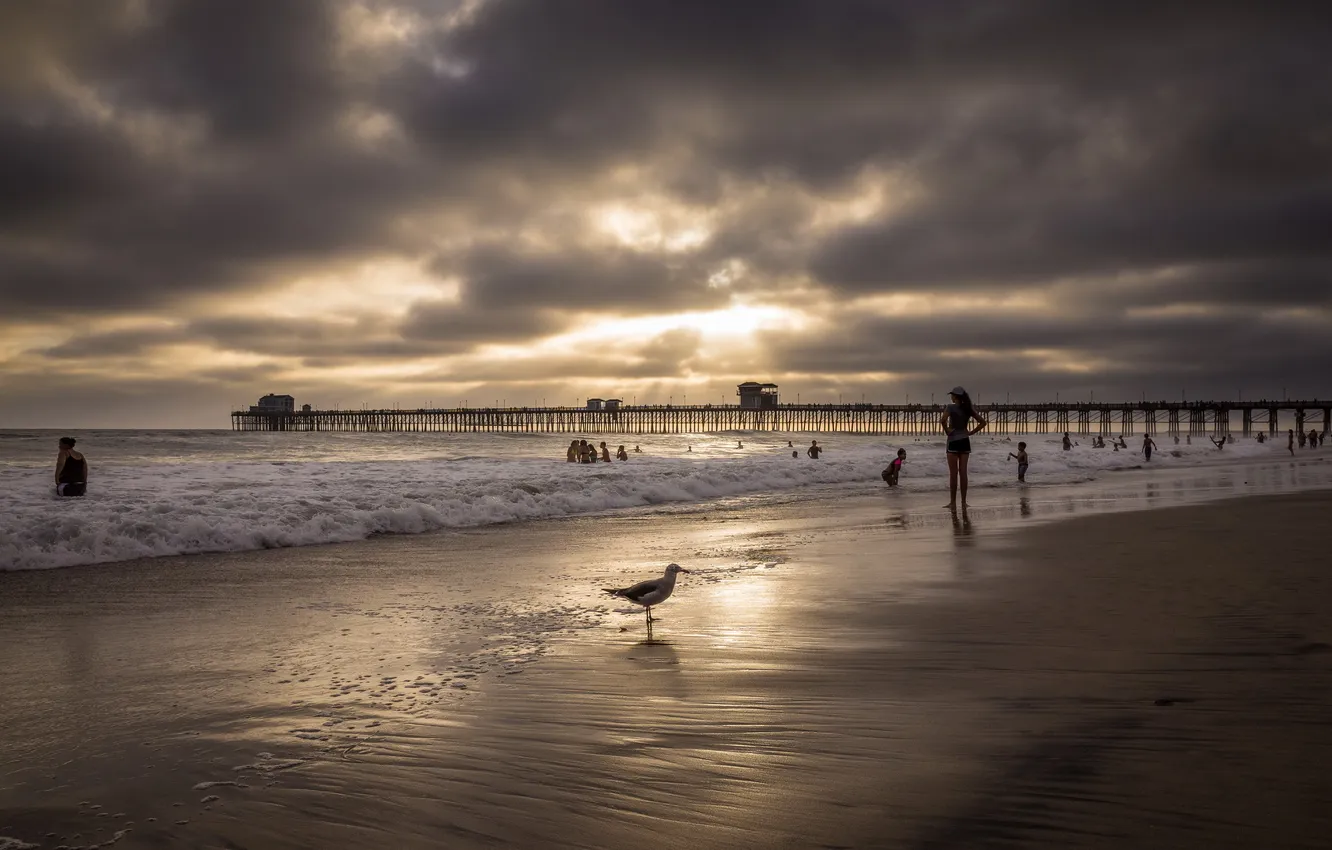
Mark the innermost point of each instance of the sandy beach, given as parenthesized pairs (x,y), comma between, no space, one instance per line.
(1139,665)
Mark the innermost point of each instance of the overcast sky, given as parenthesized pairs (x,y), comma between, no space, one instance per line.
(528,201)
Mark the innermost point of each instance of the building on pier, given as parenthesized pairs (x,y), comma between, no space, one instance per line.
(756,396)
(275,404)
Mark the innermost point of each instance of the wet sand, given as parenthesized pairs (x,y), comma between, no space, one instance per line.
(833,674)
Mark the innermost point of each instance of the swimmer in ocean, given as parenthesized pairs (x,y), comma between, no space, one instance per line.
(71,472)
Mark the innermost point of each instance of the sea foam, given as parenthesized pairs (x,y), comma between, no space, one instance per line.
(141,509)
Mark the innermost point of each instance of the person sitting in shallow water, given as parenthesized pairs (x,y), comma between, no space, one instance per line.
(71,472)
(621,454)
(572,455)
(605,453)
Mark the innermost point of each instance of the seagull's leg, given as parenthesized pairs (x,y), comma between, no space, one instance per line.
(649,614)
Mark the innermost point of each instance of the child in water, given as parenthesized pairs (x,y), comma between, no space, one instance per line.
(894,469)
(1021,458)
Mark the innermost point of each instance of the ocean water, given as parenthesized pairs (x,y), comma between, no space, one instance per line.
(156,493)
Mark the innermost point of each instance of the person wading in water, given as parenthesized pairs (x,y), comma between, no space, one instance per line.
(954,422)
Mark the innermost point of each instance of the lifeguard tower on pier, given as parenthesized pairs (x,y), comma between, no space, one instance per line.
(757,396)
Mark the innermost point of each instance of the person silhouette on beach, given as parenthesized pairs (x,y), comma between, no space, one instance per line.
(1068,442)
(1147,445)
(605,453)
(621,454)
(1290,446)
(813,450)
(954,422)
(71,472)
(572,456)
(637,450)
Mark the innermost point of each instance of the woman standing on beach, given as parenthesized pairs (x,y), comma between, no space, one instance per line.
(954,422)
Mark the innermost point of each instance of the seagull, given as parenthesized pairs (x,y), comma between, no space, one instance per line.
(651,592)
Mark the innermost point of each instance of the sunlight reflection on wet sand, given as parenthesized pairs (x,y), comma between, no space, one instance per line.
(473,688)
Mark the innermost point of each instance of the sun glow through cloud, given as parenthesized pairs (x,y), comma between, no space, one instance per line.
(670,230)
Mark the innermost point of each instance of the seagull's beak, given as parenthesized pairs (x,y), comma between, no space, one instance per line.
(683,570)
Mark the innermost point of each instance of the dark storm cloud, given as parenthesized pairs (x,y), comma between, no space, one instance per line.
(115,343)
(1250,286)
(343,341)
(1005,240)
(456,327)
(241,169)
(256,70)
(1214,353)
(1066,148)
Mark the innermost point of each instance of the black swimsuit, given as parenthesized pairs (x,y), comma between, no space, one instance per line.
(957,424)
(73,477)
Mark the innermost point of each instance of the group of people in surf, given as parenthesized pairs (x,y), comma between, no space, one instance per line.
(581,451)
(1313,439)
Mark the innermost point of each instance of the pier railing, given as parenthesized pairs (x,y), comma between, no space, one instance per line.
(1210,417)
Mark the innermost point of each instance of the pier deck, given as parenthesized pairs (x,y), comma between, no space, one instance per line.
(1211,417)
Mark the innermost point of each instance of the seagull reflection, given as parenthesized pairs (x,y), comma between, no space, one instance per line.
(1024,506)
(660,658)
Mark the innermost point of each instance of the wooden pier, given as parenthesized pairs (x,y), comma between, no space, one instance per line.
(1211,417)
